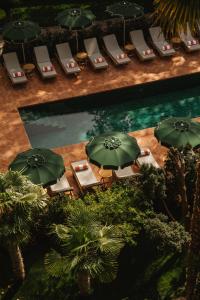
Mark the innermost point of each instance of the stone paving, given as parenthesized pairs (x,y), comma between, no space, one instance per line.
(13,138)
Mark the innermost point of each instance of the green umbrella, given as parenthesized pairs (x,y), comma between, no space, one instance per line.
(75,19)
(41,165)
(21,32)
(113,150)
(178,132)
(125,9)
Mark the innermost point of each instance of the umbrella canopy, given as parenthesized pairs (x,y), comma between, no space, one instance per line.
(125,9)
(42,166)
(178,132)
(75,19)
(112,150)
(21,32)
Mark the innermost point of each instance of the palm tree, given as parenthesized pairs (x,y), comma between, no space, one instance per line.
(173,15)
(90,250)
(20,199)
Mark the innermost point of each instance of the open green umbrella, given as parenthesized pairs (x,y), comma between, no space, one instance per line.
(113,150)
(21,32)
(178,132)
(75,19)
(41,165)
(125,9)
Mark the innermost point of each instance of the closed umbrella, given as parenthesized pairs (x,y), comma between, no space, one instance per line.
(41,165)
(21,32)
(178,132)
(75,19)
(113,150)
(125,9)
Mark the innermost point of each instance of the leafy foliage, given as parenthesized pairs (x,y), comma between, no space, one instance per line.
(173,15)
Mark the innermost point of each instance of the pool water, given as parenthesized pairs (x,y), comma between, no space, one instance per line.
(69,122)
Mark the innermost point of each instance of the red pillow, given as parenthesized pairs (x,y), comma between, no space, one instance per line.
(81,167)
(71,64)
(99,60)
(18,74)
(121,56)
(144,152)
(47,68)
(147,52)
(166,47)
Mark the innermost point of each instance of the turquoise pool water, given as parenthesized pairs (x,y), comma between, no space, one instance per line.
(72,121)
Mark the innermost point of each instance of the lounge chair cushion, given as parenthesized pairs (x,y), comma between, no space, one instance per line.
(47,68)
(99,59)
(147,52)
(81,167)
(18,74)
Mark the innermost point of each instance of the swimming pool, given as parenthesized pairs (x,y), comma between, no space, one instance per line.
(72,121)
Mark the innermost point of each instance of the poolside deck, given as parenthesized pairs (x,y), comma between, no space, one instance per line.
(13,138)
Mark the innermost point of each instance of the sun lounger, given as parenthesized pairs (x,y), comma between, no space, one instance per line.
(83,174)
(142,49)
(160,43)
(125,173)
(43,62)
(146,157)
(118,56)
(94,54)
(13,68)
(66,59)
(62,185)
(191,44)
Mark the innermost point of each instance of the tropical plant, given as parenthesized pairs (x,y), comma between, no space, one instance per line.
(20,201)
(173,15)
(89,250)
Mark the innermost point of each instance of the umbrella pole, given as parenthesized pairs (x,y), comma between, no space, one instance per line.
(23,51)
(124,31)
(76,41)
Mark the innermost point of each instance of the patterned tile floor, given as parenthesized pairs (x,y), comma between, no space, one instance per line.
(13,138)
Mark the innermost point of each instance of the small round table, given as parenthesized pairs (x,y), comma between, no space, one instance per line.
(29,68)
(129,48)
(176,41)
(82,58)
(106,177)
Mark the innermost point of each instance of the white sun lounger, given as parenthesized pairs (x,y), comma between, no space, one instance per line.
(43,61)
(147,159)
(85,178)
(124,173)
(62,185)
(118,56)
(161,45)
(12,66)
(95,57)
(191,44)
(66,59)
(142,49)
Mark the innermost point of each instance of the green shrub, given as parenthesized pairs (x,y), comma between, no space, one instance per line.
(2,14)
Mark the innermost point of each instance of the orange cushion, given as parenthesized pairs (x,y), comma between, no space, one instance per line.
(81,167)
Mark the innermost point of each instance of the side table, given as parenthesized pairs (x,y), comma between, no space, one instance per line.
(81,58)
(129,48)
(29,68)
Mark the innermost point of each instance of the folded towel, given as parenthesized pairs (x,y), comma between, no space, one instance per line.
(144,152)
(147,52)
(81,167)
(47,68)
(166,47)
(99,60)
(192,42)
(18,74)
(71,64)
(121,56)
